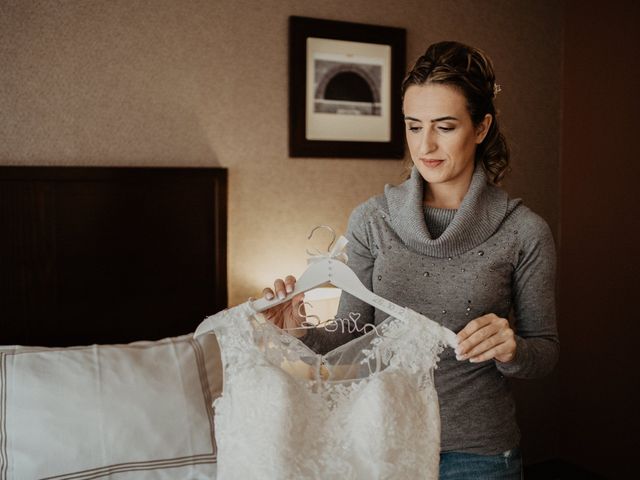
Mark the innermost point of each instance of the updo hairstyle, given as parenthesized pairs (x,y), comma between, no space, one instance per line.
(469,70)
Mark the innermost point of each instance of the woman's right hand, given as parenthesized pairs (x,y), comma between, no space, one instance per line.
(290,314)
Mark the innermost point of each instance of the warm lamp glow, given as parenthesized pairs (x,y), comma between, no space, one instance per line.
(323,293)
(322,302)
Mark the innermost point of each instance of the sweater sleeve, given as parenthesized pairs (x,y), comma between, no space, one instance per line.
(537,344)
(353,314)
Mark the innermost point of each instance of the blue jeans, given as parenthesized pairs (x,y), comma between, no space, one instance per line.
(470,466)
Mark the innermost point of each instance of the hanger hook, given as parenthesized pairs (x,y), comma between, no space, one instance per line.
(333,232)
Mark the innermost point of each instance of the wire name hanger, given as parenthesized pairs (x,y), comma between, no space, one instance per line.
(330,267)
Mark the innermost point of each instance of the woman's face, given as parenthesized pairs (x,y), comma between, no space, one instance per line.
(441,136)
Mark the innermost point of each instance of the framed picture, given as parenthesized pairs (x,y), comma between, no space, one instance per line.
(344,89)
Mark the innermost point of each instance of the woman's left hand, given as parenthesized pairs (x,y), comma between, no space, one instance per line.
(485,338)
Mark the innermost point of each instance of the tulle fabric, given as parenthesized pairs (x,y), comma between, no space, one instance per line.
(366,410)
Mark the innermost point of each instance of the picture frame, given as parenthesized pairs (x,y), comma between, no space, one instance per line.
(344,89)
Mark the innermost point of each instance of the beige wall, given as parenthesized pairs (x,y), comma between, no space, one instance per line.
(204,83)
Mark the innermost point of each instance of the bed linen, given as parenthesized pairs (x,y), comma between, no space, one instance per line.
(134,411)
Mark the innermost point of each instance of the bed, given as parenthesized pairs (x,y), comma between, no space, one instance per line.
(104,274)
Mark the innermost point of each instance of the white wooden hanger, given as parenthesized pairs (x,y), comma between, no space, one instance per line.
(329,268)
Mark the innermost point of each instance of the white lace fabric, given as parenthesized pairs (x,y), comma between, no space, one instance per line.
(365,410)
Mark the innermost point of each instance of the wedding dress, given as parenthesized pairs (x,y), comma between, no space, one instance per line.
(366,410)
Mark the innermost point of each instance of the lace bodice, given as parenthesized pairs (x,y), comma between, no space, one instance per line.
(365,410)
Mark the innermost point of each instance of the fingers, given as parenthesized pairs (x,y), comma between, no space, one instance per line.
(267,293)
(280,314)
(289,283)
(281,287)
(485,338)
(475,325)
(503,352)
(500,346)
(278,286)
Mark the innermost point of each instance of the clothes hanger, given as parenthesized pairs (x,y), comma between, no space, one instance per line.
(330,268)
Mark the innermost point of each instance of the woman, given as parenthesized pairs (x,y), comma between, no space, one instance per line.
(450,244)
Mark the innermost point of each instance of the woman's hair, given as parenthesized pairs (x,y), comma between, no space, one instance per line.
(469,70)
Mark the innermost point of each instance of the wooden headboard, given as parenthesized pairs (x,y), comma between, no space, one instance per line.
(110,255)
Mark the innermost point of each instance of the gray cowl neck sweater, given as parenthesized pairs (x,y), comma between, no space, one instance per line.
(481,212)
(496,256)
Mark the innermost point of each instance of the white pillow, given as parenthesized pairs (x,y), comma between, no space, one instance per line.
(136,411)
